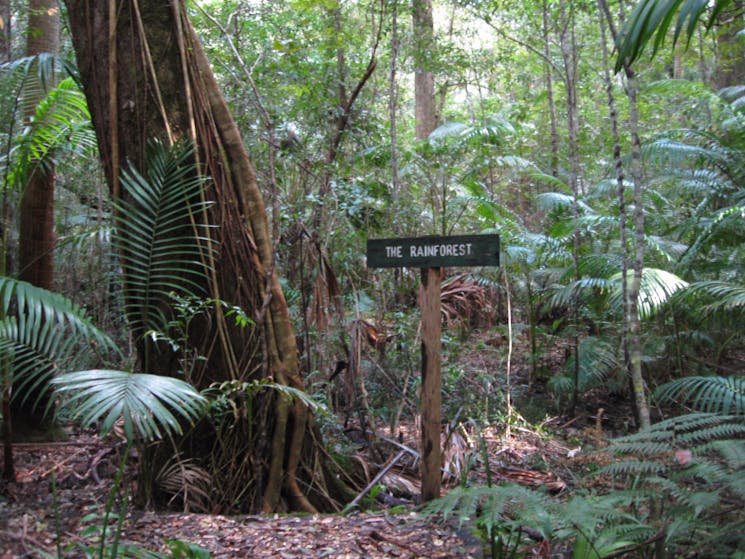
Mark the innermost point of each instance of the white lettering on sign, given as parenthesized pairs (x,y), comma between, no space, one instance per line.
(453,249)
(393,252)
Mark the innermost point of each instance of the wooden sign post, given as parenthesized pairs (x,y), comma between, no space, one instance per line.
(431,254)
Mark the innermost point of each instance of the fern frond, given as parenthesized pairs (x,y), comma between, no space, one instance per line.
(628,468)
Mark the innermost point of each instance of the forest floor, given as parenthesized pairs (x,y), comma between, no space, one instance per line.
(33,520)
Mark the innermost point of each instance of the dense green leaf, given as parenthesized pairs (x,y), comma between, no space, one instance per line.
(148,406)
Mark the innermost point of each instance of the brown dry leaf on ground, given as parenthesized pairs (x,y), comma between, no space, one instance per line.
(84,468)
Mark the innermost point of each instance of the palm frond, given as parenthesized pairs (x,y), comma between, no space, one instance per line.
(186,482)
(651,20)
(162,242)
(60,123)
(550,201)
(598,362)
(579,291)
(726,296)
(725,395)
(148,405)
(43,332)
(657,287)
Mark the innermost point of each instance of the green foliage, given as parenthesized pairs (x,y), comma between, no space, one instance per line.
(653,18)
(41,333)
(513,518)
(163,245)
(724,395)
(148,405)
(683,486)
(688,471)
(599,365)
(59,123)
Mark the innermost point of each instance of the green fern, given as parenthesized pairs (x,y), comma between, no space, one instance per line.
(689,469)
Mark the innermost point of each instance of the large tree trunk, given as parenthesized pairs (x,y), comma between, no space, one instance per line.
(146,76)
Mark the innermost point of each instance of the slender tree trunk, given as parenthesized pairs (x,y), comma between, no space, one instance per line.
(424,79)
(731,63)
(620,181)
(634,320)
(6,31)
(146,75)
(550,92)
(393,104)
(36,228)
(569,57)
(631,318)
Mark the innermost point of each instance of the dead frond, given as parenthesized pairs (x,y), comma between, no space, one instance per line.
(465,300)
(187,482)
(457,456)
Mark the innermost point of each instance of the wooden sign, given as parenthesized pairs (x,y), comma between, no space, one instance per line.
(431,254)
(434,252)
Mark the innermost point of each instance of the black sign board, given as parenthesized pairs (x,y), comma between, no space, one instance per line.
(433,251)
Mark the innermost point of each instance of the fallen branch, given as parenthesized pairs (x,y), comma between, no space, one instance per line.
(375,480)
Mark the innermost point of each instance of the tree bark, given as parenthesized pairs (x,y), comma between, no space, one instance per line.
(604,15)
(424,79)
(632,321)
(146,75)
(36,242)
(550,92)
(36,227)
(731,63)
(6,31)
(569,58)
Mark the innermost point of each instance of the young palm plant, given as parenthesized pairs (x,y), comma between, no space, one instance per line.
(41,333)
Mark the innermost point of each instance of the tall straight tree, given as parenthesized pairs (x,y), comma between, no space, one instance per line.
(36,223)
(36,235)
(424,78)
(6,25)
(425,122)
(632,320)
(146,76)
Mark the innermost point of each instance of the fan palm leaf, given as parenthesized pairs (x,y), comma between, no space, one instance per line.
(147,405)
(657,287)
